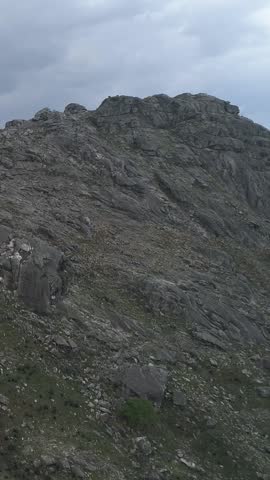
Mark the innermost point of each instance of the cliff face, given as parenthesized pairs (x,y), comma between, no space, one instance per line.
(134,255)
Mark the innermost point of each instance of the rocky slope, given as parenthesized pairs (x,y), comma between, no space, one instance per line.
(134,292)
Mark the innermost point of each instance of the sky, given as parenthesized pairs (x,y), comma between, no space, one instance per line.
(54,52)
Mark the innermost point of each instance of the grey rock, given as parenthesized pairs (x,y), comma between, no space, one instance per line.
(60,341)
(266,363)
(15,263)
(64,464)
(143,445)
(263,392)
(179,399)
(42,114)
(165,355)
(14,123)
(74,108)
(4,400)
(212,222)
(157,475)
(207,337)
(8,164)
(5,264)
(163,296)
(147,382)
(72,344)
(40,277)
(37,463)
(211,422)
(5,233)
(25,247)
(48,461)
(77,472)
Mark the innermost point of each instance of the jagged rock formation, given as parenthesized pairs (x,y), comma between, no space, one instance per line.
(134,243)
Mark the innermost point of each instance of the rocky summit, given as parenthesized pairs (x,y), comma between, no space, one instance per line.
(134,292)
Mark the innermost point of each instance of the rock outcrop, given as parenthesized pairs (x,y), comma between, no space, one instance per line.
(134,245)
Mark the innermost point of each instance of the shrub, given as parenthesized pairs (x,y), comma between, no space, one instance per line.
(138,413)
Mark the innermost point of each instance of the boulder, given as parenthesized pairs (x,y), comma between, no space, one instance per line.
(179,399)
(266,363)
(4,400)
(40,278)
(43,114)
(14,123)
(263,392)
(143,446)
(147,382)
(74,108)
(4,234)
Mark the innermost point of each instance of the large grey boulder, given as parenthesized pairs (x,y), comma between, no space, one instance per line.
(263,392)
(43,114)
(4,233)
(163,296)
(14,123)
(40,282)
(74,108)
(147,382)
(266,363)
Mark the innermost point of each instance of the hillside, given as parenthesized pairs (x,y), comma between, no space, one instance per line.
(134,292)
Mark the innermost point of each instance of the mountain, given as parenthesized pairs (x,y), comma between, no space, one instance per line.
(134,292)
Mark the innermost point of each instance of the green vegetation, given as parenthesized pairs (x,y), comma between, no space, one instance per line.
(139,413)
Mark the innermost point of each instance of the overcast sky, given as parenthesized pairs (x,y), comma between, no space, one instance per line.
(54,52)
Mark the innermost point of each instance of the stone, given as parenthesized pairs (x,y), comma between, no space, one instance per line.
(64,464)
(77,472)
(143,445)
(14,123)
(163,296)
(60,341)
(166,356)
(266,363)
(161,474)
(5,263)
(8,164)
(5,233)
(74,108)
(179,399)
(72,344)
(4,400)
(24,247)
(207,337)
(48,460)
(15,262)
(40,277)
(154,476)
(42,114)
(148,382)
(191,465)
(211,422)
(263,392)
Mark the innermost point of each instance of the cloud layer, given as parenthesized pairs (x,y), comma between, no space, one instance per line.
(58,51)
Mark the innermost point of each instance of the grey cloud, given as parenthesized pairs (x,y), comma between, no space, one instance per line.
(60,51)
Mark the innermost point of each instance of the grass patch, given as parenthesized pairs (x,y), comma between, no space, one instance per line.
(139,413)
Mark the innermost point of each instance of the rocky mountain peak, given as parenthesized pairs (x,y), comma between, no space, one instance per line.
(134,292)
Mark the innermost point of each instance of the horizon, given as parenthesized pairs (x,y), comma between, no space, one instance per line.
(61,110)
